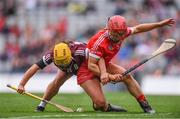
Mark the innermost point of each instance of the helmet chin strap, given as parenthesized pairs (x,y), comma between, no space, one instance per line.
(114,41)
(65,66)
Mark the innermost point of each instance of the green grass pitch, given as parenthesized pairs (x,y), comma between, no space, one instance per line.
(16,106)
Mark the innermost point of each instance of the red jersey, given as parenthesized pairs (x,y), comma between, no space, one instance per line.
(101,46)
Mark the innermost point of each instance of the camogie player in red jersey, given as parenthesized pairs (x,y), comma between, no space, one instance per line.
(106,44)
(68,57)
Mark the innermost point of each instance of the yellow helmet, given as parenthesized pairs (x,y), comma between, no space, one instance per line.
(62,54)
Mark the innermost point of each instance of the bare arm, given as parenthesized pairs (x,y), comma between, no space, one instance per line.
(104,75)
(149,26)
(102,65)
(93,66)
(98,67)
(28,74)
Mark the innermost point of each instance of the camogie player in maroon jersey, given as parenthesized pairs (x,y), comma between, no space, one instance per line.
(68,57)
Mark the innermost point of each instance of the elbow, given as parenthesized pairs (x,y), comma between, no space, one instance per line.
(89,67)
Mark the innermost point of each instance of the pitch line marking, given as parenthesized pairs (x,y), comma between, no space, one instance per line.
(89,115)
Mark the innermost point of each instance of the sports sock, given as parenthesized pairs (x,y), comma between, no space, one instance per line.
(42,103)
(141,98)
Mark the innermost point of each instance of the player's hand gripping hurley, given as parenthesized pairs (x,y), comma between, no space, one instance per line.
(165,46)
(65,109)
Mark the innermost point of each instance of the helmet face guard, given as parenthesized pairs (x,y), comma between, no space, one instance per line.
(116,26)
(62,55)
(115,36)
(65,65)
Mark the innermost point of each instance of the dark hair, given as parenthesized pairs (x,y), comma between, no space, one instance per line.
(109,18)
(64,41)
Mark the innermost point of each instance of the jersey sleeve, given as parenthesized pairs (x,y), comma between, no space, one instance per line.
(95,45)
(45,60)
(96,51)
(79,50)
(130,31)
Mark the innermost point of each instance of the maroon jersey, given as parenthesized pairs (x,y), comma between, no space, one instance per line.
(79,53)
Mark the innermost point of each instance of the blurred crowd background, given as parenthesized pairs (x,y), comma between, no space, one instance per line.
(28,28)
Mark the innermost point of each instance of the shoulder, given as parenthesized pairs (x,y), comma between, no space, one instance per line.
(102,39)
(98,34)
(75,45)
(99,37)
(48,55)
(97,41)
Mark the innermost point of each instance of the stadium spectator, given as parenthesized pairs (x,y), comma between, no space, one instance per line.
(62,27)
(136,11)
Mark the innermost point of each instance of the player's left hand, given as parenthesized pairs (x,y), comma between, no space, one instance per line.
(168,22)
(20,89)
(116,77)
(119,77)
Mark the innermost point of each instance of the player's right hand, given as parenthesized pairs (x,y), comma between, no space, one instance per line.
(20,89)
(104,78)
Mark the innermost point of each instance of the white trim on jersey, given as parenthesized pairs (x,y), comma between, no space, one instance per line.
(79,52)
(44,60)
(87,53)
(76,42)
(94,56)
(132,29)
(100,39)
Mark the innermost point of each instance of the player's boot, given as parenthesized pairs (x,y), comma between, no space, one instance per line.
(111,108)
(115,108)
(146,107)
(39,109)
